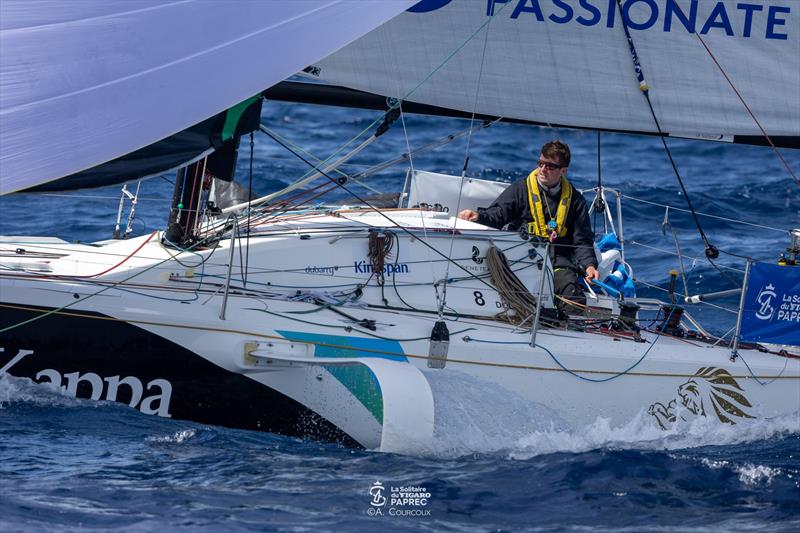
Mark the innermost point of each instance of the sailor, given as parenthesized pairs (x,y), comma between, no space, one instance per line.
(550,208)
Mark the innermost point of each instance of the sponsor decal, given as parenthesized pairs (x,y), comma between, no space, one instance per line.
(733,19)
(321,271)
(764,299)
(476,255)
(402,501)
(711,391)
(772,305)
(366,267)
(790,308)
(476,268)
(152,399)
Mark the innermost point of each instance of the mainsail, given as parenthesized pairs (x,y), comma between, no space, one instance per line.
(567,62)
(82,83)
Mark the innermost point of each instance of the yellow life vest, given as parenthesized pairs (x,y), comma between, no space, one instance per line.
(540,226)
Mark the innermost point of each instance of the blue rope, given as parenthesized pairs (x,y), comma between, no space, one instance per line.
(467,338)
(762,383)
(603,380)
(564,368)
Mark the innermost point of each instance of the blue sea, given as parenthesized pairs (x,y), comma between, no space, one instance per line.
(76,465)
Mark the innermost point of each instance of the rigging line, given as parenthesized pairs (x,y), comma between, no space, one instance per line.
(358,135)
(706,214)
(454,52)
(599,175)
(396,104)
(127,257)
(439,303)
(320,169)
(680,260)
(475,101)
(466,159)
(387,217)
(292,203)
(265,216)
(662,289)
(249,211)
(374,169)
(94,197)
(405,136)
(613,376)
(192,207)
(58,310)
(637,243)
(711,251)
(306,152)
(747,107)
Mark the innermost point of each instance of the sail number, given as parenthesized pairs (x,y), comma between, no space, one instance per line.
(479,298)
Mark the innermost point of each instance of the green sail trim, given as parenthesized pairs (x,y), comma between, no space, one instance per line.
(233,115)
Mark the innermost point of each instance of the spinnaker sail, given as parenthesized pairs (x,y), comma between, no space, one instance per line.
(82,83)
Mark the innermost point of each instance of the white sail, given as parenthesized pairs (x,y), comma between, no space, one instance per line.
(83,82)
(567,62)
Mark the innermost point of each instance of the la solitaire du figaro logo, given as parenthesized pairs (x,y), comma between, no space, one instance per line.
(376,491)
(403,501)
(764,299)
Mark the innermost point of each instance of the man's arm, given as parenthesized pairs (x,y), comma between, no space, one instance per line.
(507,207)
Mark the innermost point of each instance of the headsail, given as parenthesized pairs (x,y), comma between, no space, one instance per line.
(82,83)
(567,62)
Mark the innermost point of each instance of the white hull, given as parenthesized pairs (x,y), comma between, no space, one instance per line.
(368,384)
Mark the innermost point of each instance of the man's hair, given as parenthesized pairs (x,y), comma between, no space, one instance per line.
(557,150)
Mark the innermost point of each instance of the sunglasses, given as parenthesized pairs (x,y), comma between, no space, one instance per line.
(549,166)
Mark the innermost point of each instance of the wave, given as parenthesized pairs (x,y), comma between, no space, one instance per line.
(474,416)
(23,390)
(641,434)
(471,416)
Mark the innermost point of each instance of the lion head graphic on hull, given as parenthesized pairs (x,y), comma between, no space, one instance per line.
(710,391)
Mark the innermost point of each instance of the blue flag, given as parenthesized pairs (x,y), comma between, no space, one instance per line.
(772,305)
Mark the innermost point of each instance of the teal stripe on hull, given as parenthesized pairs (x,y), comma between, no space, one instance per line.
(359,380)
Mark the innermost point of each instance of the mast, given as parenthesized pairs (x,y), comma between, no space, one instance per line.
(183,215)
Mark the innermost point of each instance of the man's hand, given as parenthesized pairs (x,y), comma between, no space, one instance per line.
(591,273)
(468,215)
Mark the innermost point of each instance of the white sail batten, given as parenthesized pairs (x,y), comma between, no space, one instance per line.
(84,82)
(568,62)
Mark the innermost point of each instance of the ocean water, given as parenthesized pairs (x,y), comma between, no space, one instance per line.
(72,464)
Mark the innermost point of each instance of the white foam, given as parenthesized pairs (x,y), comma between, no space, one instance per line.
(750,474)
(475,416)
(642,434)
(14,389)
(177,437)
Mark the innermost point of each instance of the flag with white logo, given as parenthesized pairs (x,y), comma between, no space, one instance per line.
(772,305)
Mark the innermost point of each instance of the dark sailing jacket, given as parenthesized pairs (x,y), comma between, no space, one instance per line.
(512,208)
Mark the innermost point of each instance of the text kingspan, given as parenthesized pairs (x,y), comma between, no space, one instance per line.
(365,267)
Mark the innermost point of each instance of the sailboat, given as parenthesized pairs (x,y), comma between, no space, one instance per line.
(330,322)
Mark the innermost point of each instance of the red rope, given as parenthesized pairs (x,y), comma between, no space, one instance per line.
(106,271)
